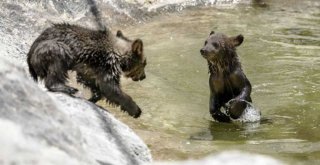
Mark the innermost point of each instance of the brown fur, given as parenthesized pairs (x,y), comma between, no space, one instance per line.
(227,80)
(98,58)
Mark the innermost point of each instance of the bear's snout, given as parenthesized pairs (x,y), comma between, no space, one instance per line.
(203,51)
(140,78)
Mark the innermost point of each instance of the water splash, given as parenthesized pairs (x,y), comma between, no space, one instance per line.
(250,114)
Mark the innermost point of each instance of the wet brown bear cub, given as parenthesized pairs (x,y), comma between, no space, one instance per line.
(227,80)
(98,57)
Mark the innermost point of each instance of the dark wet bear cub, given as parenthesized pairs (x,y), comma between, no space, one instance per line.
(98,57)
(227,80)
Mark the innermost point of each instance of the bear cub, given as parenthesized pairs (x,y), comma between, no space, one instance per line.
(98,57)
(229,86)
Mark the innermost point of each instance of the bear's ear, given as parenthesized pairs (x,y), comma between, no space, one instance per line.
(137,47)
(212,32)
(237,40)
(120,34)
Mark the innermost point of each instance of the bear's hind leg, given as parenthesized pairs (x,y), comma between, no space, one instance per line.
(62,88)
(56,78)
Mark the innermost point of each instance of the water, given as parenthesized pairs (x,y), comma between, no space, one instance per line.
(280,56)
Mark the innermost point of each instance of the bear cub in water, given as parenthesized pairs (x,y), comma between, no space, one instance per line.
(229,85)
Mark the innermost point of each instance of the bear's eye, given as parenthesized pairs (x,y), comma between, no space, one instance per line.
(216,45)
(205,43)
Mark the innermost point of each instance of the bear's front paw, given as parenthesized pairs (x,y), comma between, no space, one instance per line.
(134,111)
(236,108)
(138,113)
(221,117)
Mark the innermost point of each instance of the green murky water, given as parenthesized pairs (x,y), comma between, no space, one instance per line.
(281,58)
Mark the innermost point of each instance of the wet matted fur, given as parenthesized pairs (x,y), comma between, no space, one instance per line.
(227,80)
(98,57)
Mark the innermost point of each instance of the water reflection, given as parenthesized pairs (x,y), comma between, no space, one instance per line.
(236,131)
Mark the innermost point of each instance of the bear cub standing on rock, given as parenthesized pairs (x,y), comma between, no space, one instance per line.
(98,58)
(228,83)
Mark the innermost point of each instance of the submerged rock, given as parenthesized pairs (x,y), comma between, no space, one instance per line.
(41,127)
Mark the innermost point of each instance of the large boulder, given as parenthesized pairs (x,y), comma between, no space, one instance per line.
(39,127)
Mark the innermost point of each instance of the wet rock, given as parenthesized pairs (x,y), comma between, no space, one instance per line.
(40,127)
